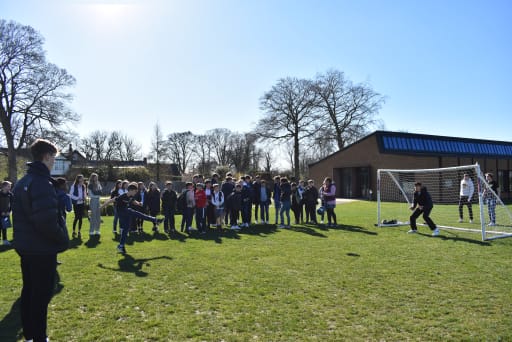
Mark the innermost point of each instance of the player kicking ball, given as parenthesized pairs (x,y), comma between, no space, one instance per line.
(123,205)
(422,204)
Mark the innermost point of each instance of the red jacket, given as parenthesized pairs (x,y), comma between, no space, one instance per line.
(200,197)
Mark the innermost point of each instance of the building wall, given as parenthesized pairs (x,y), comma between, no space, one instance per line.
(365,153)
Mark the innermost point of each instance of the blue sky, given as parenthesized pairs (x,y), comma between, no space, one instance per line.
(444,66)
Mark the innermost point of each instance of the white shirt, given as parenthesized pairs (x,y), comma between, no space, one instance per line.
(466,187)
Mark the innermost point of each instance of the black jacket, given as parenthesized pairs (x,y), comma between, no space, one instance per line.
(38,229)
(423,198)
(169,199)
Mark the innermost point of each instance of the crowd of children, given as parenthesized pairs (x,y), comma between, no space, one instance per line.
(204,204)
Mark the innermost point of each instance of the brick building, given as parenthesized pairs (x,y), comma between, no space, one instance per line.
(354,168)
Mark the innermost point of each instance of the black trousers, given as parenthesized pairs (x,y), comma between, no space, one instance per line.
(426,216)
(39,272)
(464,201)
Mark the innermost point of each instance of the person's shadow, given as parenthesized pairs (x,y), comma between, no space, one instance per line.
(131,265)
(10,325)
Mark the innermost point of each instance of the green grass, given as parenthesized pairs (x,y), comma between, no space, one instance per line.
(354,283)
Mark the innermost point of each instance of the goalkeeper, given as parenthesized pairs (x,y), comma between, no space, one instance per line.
(422,204)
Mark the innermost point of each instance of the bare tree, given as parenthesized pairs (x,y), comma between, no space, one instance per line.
(130,149)
(158,148)
(32,91)
(220,139)
(268,160)
(180,149)
(244,154)
(94,146)
(113,146)
(349,109)
(203,150)
(289,113)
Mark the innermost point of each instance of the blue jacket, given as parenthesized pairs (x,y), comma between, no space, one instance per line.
(38,229)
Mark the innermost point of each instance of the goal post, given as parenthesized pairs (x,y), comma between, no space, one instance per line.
(395,190)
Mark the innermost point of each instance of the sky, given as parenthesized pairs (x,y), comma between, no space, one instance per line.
(444,66)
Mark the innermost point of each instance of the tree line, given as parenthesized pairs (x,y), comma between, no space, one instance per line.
(307,119)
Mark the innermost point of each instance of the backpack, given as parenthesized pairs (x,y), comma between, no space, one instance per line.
(181,203)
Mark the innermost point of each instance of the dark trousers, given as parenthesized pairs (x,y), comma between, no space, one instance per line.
(264,212)
(38,272)
(78,209)
(297,212)
(169,219)
(210,214)
(311,211)
(116,219)
(426,216)
(257,206)
(125,216)
(201,219)
(189,215)
(246,212)
(464,200)
(234,216)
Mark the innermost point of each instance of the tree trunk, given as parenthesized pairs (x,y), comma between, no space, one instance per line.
(12,162)
(296,165)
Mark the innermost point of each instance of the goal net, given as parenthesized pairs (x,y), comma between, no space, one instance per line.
(484,213)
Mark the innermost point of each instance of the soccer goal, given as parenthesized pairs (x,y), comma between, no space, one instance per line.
(395,189)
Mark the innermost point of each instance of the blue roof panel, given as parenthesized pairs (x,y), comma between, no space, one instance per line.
(413,143)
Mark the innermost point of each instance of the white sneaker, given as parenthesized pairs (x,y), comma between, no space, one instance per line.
(491,224)
(412,231)
(470,221)
(460,220)
(435,232)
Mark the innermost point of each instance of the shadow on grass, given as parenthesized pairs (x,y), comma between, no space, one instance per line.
(355,229)
(75,242)
(5,248)
(306,230)
(446,235)
(262,230)
(10,325)
(93,242)
(131,265)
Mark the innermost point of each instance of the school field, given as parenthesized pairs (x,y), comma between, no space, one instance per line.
(355,282)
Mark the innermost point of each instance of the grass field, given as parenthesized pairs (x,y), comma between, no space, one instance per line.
(355,282)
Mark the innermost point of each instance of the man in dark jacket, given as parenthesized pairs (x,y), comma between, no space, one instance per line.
(39,234)
(422,204)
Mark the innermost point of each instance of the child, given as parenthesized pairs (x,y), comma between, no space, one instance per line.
(235,203)
(210,209)
(169,199)
(201,203)
(296,203)
(6,200)
(64,204)
(123,205)
(190,205)
(218,204)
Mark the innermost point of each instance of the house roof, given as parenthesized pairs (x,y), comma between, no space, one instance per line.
(435,145)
